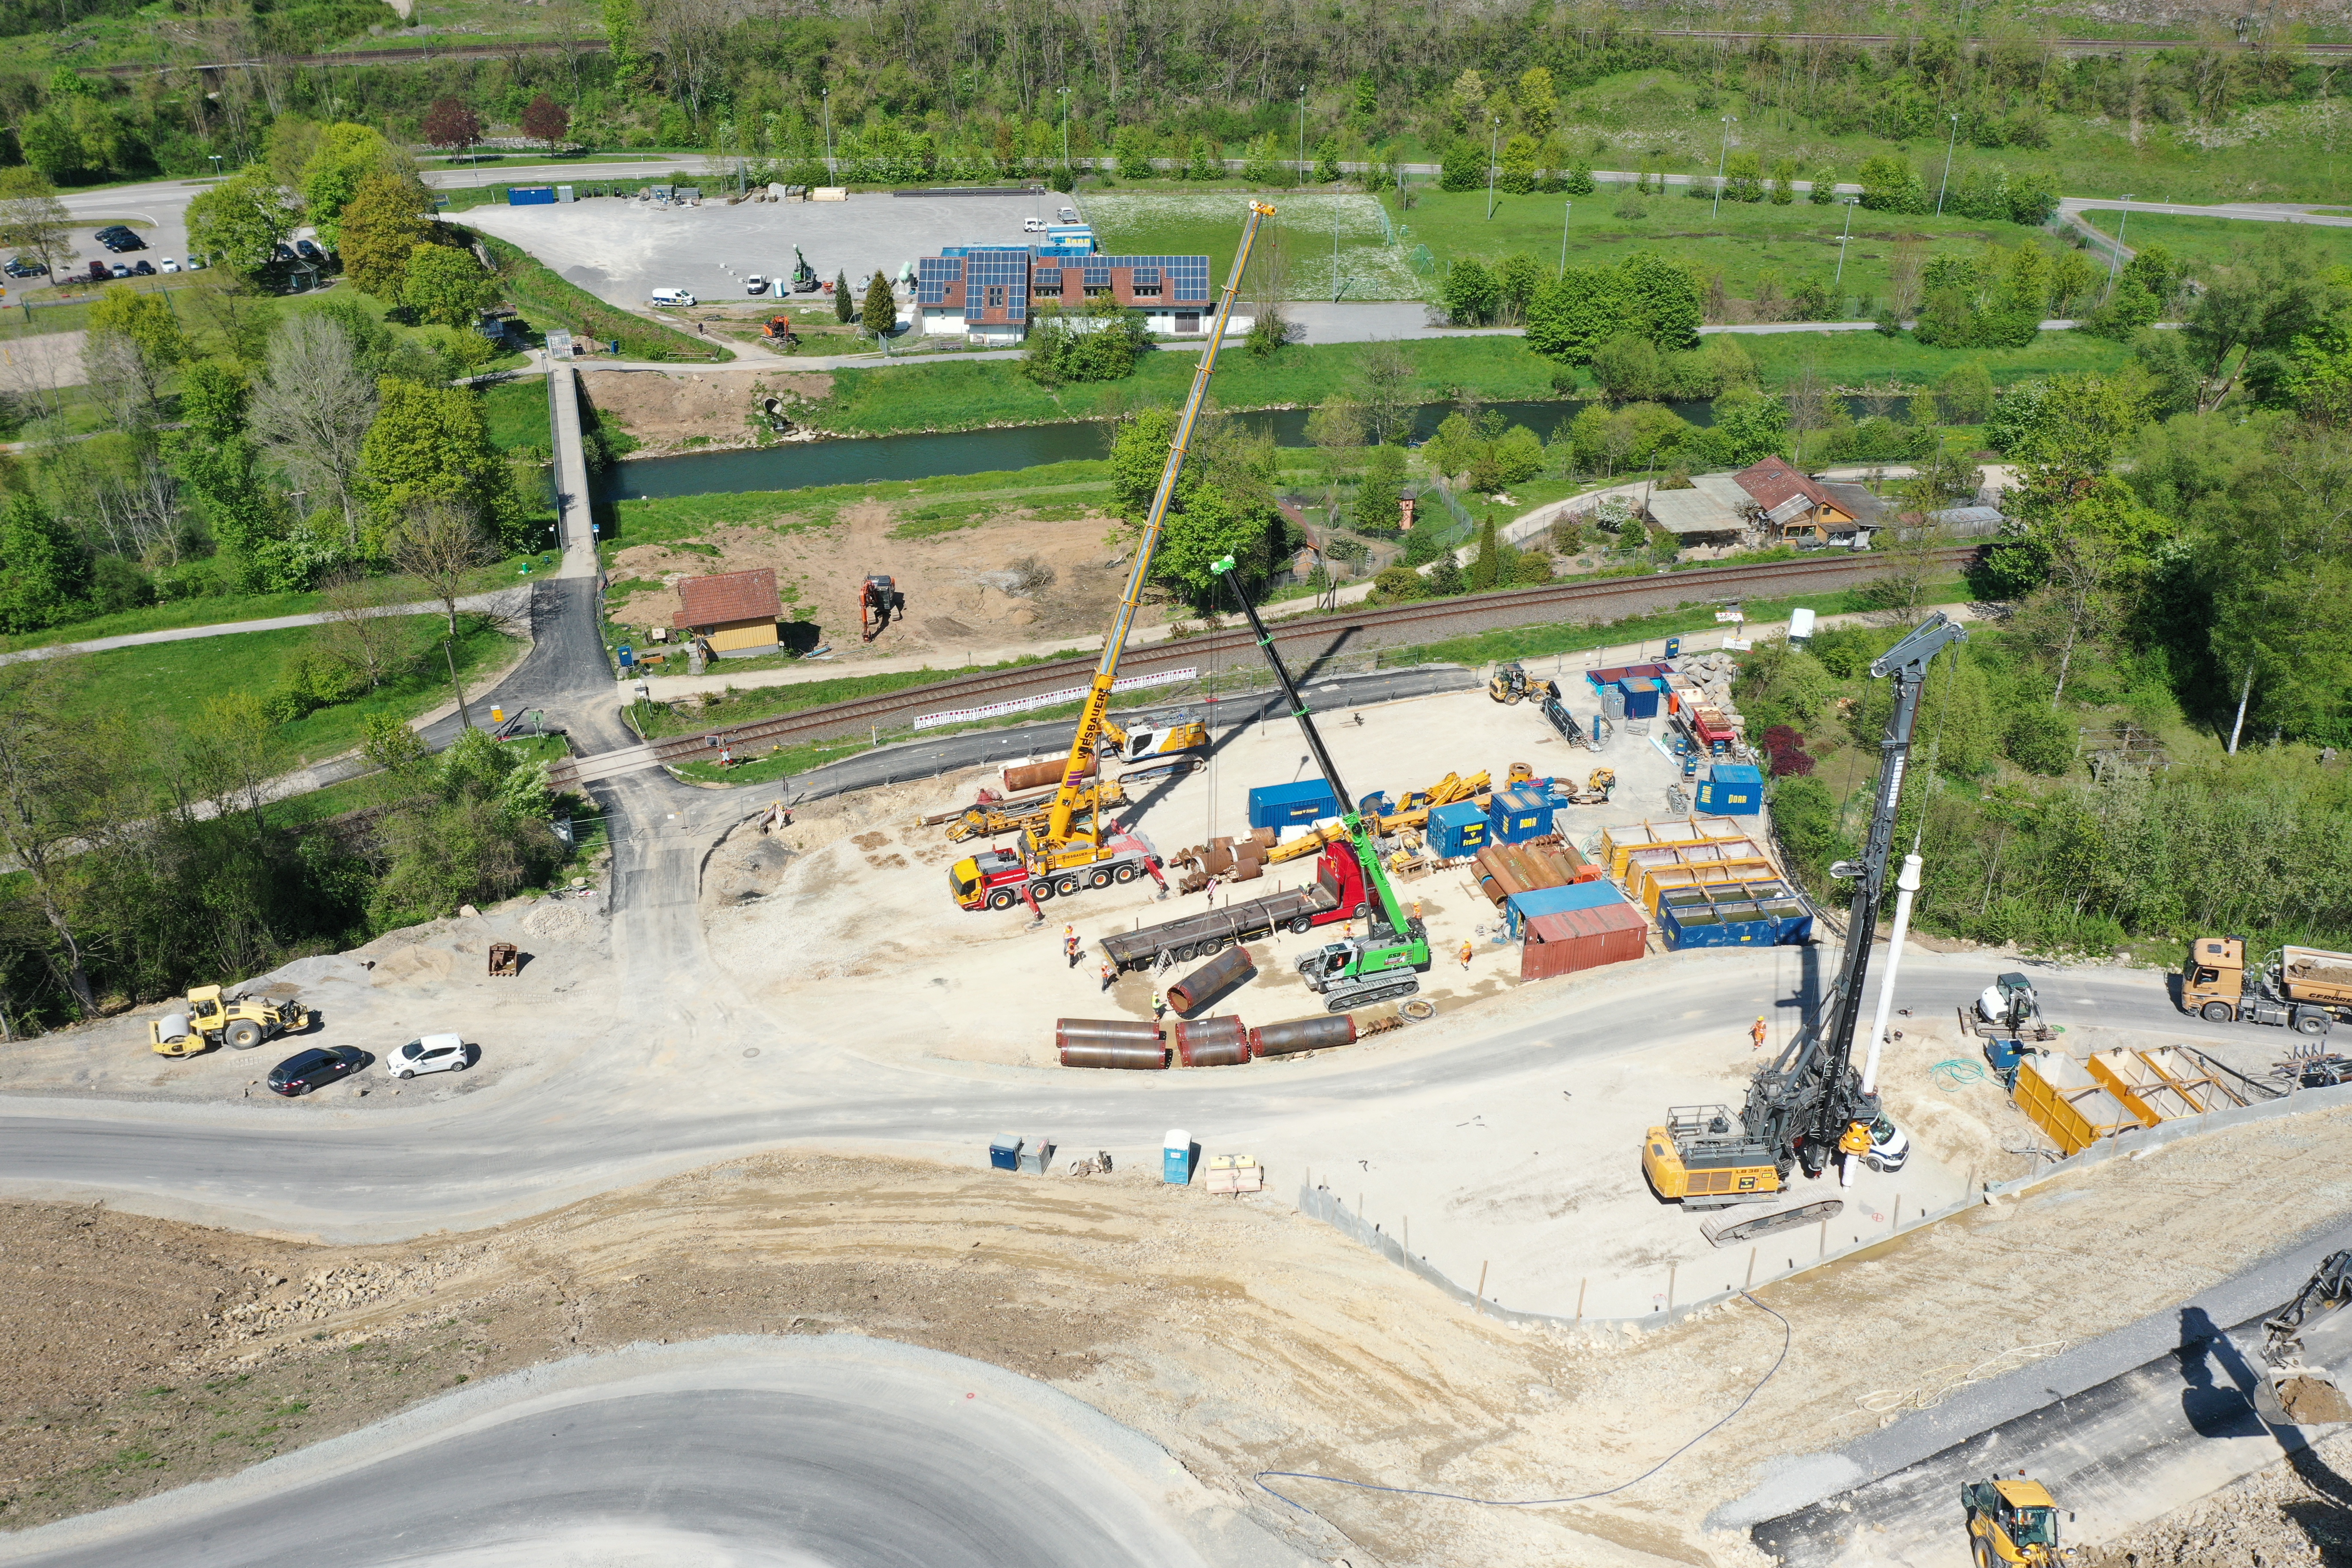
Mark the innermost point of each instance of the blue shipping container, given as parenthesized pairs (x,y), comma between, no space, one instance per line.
(530,196)
(1520,908)
(1456,830)
(1641,697)
(1520,813)
(1004,1153)
(1732,789)
(1282,806)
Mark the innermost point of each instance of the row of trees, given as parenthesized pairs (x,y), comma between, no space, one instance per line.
(151,855)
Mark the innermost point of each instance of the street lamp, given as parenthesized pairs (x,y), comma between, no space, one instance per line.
(1065,130)
(1494,142)
(1839,281)
(1565,208)
(2115,253)
(1722,153)
(216,164)
(829,173)
(1302,137)
(1951,141)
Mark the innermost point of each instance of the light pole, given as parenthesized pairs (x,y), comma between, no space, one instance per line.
(1951,141)
(2116,254)
(1494,141)
(1065,130)
(216,164)
(1565,208)
(1722,154)
(1839,281)
(1302,137)
(828,136)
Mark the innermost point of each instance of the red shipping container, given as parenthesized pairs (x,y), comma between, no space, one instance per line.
(1571,939)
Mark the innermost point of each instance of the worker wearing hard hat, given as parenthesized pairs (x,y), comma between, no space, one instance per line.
(1756,1034)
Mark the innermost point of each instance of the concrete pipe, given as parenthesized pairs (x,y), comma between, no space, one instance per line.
(1204,985)
(1136,1056)
(1303,1034)
(1213,1043)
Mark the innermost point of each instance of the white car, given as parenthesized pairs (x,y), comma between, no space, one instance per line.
(1069,214)
(196,264)
(1033,225)
(755,284)
(1890,1147)
(433,1053)
(672,298)
(166,264)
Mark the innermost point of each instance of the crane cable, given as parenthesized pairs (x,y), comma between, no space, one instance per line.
(1788,1334)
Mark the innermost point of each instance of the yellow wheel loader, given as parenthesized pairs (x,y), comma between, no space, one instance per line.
(2013,1521)
(239,1022)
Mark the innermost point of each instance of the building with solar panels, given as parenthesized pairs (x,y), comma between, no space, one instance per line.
(988,293)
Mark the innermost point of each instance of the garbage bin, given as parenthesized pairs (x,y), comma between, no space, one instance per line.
(1004,1153)
(1176,1158)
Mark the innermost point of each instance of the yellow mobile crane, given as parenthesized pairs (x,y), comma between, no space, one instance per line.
(1067,854)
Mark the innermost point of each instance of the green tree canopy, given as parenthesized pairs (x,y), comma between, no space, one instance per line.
(242,220)
(432,444)
(446,286)
(44,576)
(385,219)
(346,155)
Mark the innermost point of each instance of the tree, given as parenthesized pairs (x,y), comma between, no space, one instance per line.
(447,285)
(1964,394)
(313,409)
(1573,314)
(879,314)
(1472,295)
(1383,389)
(844,303)
(33,221)
(62,781)
(44,574)
(1662,297)
(1464,168)
(1382,486)
(1263,165)
(1486,567)
(1518,278)
(2282,573)
(1135,154)
(147,319)
(1748,425)
(346,155)
(545,120)
(438,540)
(384,220)
(430,444)
(2263,302)
(242,220)
(1626,367)
(450,123)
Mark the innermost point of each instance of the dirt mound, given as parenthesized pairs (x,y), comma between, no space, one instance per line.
(708,407)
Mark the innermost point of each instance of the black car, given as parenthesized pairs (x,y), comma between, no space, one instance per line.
(126,241)
(18,267)
(315,1069)
(142,270)
(308,251)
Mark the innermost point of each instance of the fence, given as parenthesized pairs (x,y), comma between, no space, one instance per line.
(1321,1203)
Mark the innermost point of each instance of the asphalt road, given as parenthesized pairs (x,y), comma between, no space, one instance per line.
(838,1452)
(2121,1429)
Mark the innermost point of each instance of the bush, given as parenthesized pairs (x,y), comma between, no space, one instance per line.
(1786,749)
(1806,817)
(1464,168)
(1394,585)
(1059,351)
(2041,741)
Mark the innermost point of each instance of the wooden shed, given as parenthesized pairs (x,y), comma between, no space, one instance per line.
(735,612)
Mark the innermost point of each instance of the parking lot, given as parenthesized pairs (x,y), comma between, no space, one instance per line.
(620,249)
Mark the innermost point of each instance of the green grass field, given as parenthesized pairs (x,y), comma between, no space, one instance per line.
(2205,242)
(166,684)
(517,414)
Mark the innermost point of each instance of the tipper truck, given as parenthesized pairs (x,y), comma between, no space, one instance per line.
(2307,989)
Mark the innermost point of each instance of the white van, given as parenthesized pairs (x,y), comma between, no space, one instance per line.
(673,296)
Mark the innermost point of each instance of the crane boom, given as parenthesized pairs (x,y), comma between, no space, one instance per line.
(1069,796)
(1809,1102)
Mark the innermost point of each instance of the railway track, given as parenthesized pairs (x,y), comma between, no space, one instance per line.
(1304,642)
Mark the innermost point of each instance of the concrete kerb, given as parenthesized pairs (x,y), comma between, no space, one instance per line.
(1320,1202)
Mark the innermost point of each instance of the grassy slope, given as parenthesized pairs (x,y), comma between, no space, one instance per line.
(2205,242)
(164,684)
(948,502)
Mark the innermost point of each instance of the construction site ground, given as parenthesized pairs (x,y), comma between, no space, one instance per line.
(968,591)
(145,1355)
(668,412)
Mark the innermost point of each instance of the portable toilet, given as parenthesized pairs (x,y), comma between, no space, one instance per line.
(1520,813)
(1733,789)
(1456,830)
(1641,695)
(1176,1158)
(1285,806)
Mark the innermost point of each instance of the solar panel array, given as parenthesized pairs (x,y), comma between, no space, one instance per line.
(1186,278)
(933,274)
(1007,267)
(1045,283)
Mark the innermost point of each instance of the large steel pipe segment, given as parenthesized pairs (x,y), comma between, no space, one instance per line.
(1130,1042)
(1204,985)
(1303,1034)
(1213,1043)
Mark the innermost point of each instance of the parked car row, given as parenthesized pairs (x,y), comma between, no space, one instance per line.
(322,1065)
(120,237)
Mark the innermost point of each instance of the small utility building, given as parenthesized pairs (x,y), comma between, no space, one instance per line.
(734,612)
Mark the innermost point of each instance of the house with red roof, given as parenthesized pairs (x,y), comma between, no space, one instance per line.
(735,612)
(1799,510)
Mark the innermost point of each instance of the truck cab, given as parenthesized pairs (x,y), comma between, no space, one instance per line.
(2214,977)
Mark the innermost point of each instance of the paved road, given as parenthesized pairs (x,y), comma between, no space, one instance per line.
(840,1451)
(505,603)
(2121,1429)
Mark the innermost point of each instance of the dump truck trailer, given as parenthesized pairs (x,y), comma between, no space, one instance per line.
(1336,894)
(2307,989)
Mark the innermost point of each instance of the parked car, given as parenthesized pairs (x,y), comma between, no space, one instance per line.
(142,270)
(118,270)
(19,268)
(167,264)
(124,240)
(315,1069)
(431,1053)
(196,264)
(308,252)
(1069,214)
(755,284)
(98,272)
(673,297)
(1033,225)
